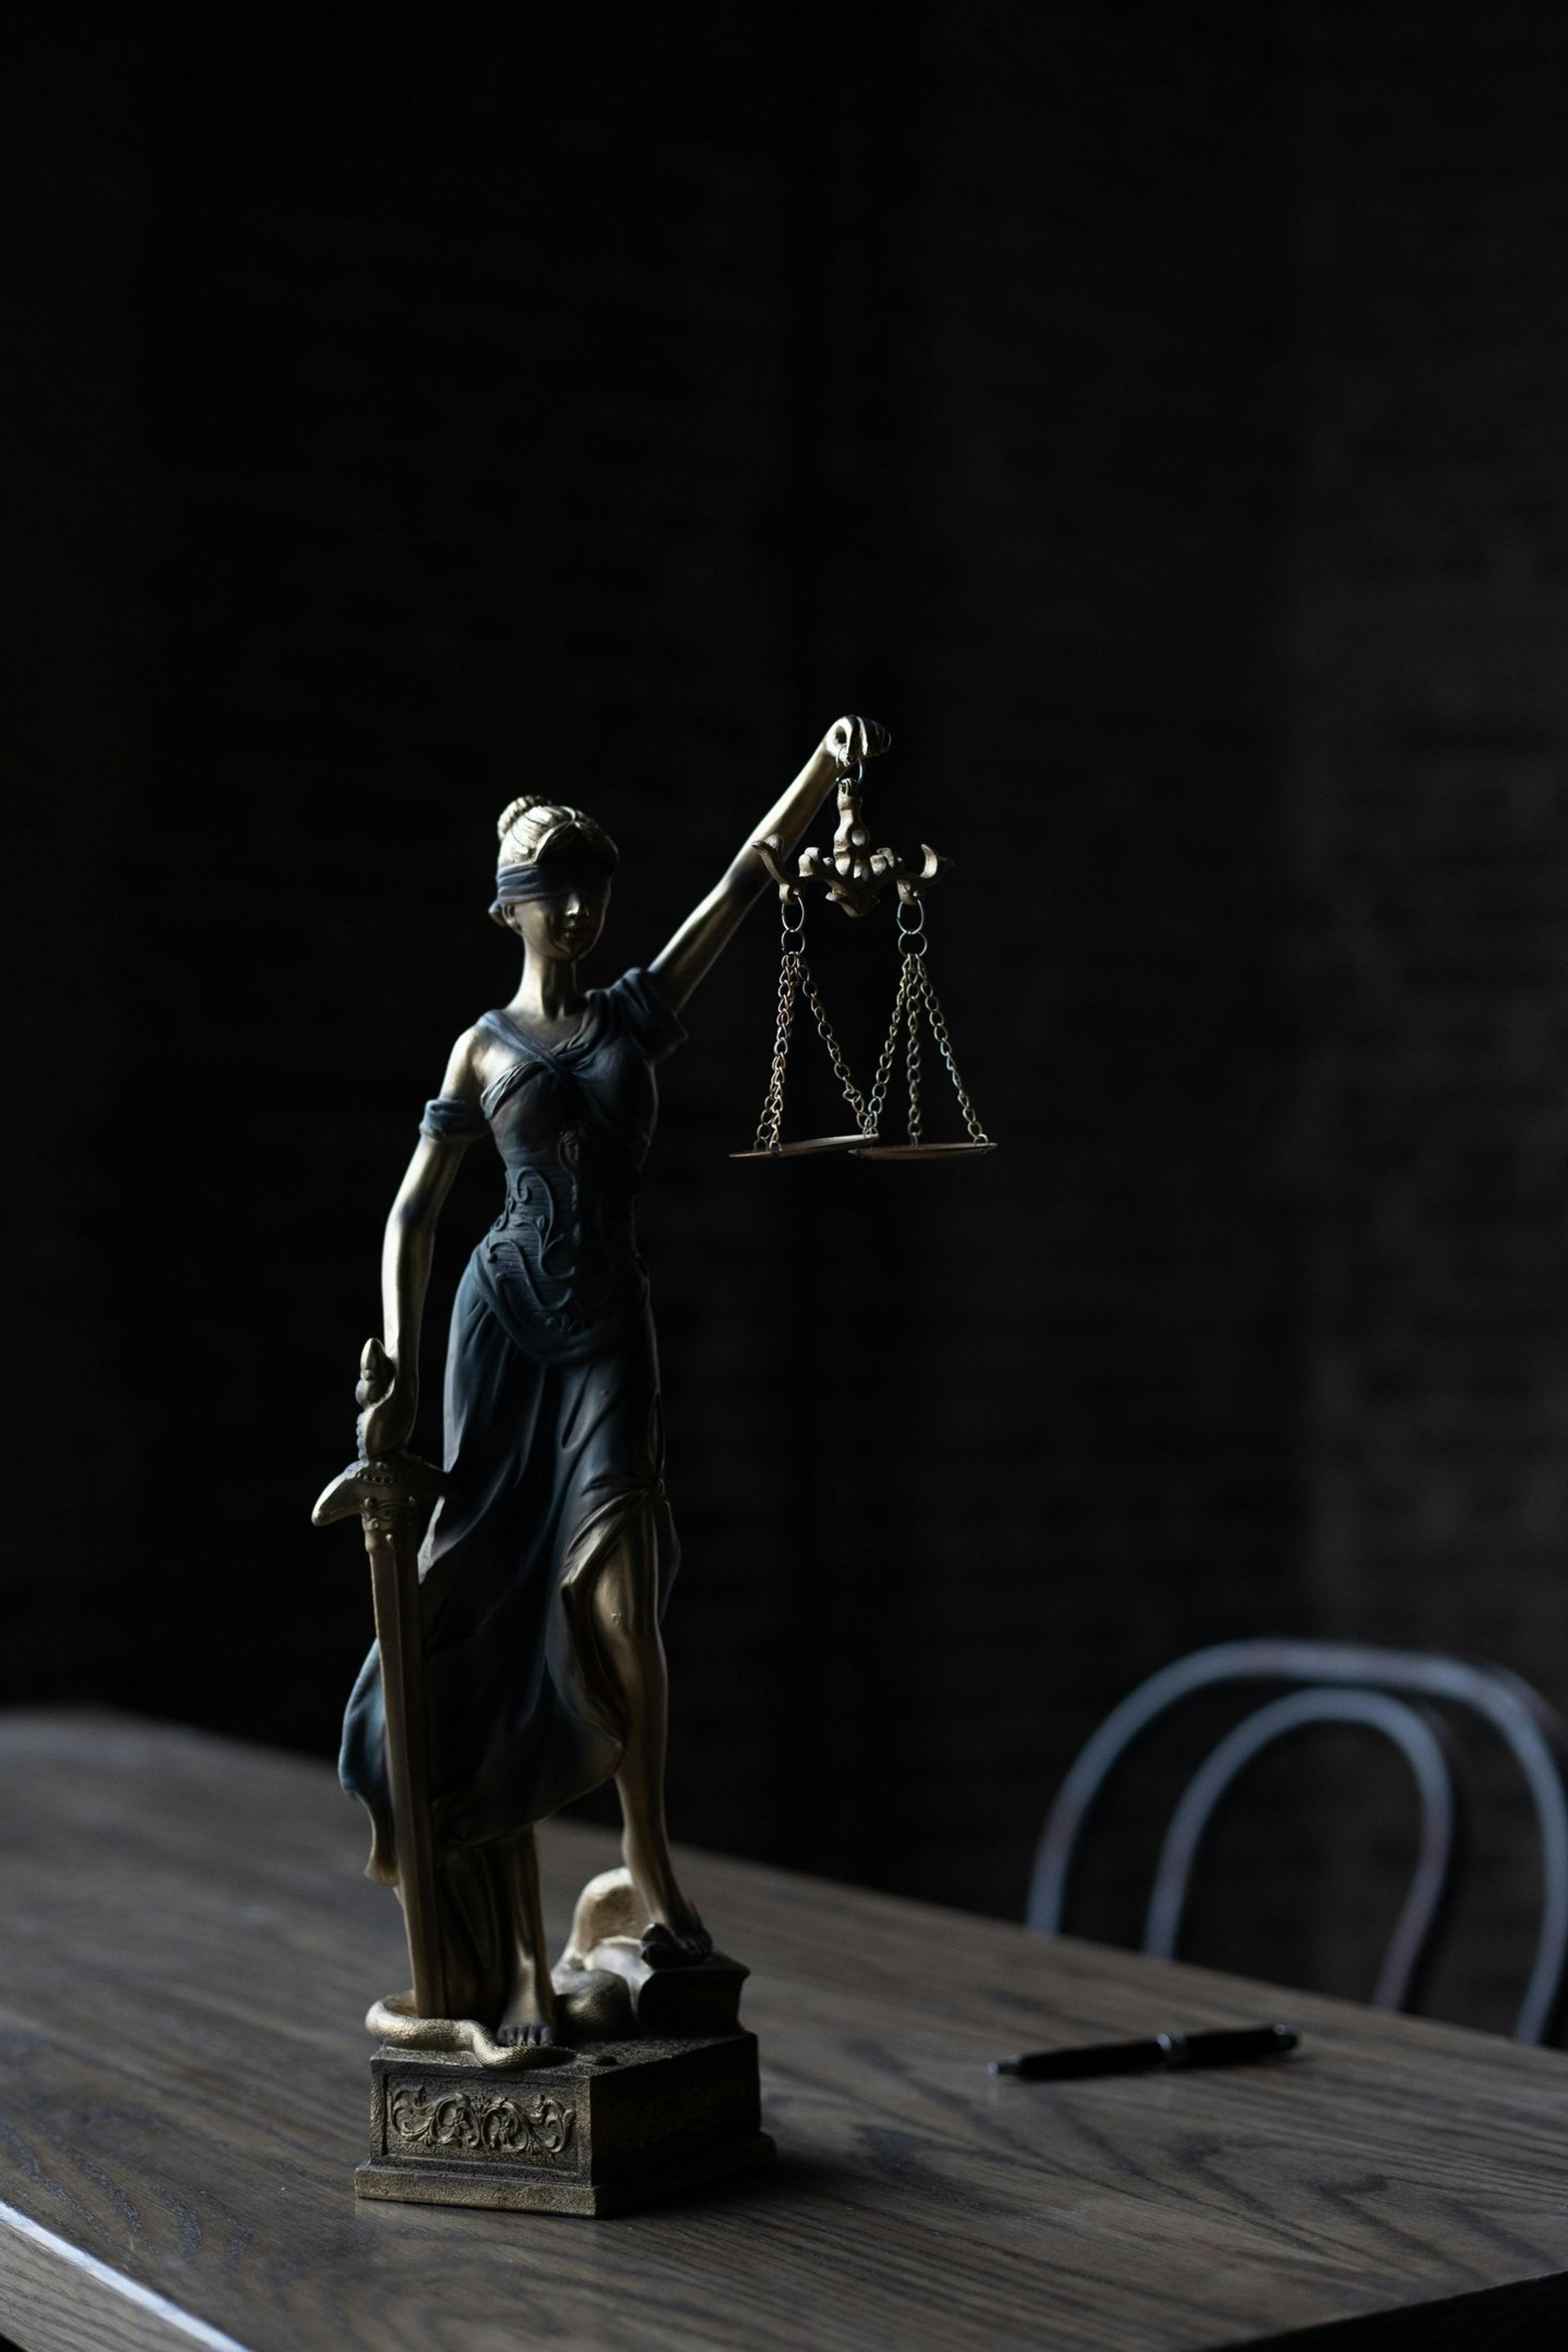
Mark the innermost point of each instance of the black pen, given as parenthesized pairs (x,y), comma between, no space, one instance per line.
(1235,2046)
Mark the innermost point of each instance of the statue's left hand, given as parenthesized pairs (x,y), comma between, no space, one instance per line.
(387,1404)
(852,739)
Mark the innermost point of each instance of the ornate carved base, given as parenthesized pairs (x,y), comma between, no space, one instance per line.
(614,2126)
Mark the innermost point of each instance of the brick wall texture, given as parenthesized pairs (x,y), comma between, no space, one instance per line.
(1157,417)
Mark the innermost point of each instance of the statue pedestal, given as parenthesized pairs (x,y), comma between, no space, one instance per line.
(611,2126)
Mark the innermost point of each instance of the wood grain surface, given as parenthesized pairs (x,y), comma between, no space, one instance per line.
(187,1946)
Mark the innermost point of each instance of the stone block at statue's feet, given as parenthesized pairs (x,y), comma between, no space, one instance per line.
(610,2127)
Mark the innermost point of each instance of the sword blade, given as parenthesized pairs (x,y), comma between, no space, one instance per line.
(388,1494)
(394,1591)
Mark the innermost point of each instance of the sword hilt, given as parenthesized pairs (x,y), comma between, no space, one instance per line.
(379,1491)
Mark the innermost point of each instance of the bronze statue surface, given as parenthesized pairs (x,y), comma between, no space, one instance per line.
(520,1663)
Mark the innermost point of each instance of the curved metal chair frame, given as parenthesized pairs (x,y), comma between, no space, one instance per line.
(1343,1683)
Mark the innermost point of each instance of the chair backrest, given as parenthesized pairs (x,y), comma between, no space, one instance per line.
(1387,1691)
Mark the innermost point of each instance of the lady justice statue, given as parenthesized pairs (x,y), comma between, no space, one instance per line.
(533,1645)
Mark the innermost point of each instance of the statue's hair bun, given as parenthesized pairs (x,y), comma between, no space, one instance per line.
(528,827)
(516,809)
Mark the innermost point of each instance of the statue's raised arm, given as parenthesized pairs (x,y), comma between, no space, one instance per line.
(709,928)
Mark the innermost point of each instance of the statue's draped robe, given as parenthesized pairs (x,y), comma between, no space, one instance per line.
(554,1454)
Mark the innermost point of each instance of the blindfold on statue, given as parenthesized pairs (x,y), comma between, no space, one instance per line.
(550,877)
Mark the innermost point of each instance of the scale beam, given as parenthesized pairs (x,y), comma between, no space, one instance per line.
(853,874)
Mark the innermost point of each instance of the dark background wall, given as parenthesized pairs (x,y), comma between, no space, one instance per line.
(1157,418)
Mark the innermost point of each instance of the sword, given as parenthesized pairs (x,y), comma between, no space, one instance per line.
(390,1494)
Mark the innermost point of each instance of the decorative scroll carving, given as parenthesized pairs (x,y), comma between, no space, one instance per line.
(539,2129)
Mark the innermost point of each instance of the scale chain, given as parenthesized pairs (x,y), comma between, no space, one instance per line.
(890,1047)
(769,1126)
(851,1092)
(912,1061)
(796,980)
(935,1016)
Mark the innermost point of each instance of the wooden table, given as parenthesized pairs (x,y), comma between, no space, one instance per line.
(187,1946)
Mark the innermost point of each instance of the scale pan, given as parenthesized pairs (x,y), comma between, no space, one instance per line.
(804,1149)
(923,1151)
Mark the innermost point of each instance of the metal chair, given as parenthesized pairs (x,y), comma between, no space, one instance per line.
(1386,1691)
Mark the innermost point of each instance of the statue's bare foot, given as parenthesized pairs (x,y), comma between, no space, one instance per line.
(534,2035)
(675,1935)
(664,1947)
